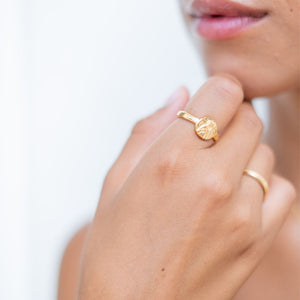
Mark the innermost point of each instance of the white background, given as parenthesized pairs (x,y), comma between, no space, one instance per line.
(72,73)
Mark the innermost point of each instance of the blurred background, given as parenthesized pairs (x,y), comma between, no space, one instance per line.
(68,71)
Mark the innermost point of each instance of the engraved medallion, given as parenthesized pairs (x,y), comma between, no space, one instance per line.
(206,128)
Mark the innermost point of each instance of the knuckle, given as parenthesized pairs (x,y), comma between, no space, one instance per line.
(109,178)
(267,152)
(170,165)
(217,186)
(242,218)
(251,119)
(143,126)
(289,190)
(244,226)
(228,86)
(253,252)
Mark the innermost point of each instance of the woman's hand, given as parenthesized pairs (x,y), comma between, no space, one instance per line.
(176,217)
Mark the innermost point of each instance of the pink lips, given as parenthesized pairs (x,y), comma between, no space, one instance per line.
(221,19)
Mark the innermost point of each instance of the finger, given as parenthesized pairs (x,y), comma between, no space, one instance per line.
(276,207)
(239,141)
(262,162)
(218,98)
(142,136)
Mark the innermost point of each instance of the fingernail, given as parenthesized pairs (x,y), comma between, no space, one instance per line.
(176,95)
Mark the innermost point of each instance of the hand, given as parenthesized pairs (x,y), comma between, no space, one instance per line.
(176,217)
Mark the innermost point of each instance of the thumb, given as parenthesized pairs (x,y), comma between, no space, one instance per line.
(144,133)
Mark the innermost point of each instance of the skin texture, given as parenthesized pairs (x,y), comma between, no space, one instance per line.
(112,258)
(161,233)
(269,51)
(270,54)
(69,271)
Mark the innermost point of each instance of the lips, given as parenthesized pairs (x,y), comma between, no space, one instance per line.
(221,19)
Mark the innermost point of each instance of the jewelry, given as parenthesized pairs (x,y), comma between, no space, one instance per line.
(205,128)
(260,179)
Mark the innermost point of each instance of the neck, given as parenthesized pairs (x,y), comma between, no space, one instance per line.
(283,135)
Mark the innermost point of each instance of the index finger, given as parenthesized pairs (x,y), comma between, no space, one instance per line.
(219,98)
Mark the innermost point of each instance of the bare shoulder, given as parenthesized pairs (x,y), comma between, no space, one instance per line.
(70,265)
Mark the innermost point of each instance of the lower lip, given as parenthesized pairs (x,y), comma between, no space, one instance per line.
(220,28)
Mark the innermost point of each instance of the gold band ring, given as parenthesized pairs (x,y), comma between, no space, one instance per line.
(260,179)
(205,128)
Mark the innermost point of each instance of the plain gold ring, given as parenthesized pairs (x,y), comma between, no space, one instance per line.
(260,179)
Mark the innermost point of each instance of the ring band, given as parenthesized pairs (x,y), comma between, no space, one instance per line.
(205,128)
(260,179)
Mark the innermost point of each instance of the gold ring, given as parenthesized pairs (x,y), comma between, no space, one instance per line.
(260,179)
(205,128)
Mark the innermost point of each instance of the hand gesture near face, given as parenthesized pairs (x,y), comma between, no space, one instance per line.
(177,219)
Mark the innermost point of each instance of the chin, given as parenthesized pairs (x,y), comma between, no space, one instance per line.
(261,75)
(264,56)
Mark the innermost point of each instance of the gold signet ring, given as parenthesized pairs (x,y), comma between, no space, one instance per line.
(205,128)
(260,179)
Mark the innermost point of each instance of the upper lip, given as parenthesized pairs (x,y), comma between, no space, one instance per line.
(205,8)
